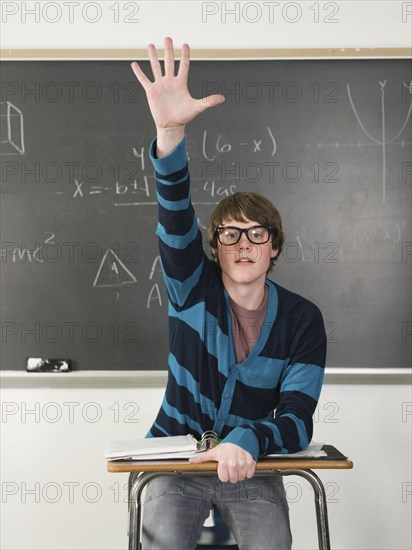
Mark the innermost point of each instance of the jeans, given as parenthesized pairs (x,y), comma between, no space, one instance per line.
(255,510)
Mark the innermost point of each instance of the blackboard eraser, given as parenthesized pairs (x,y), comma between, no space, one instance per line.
(37,364)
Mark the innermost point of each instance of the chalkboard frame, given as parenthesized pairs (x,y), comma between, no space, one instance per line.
(158,378)
(72,54)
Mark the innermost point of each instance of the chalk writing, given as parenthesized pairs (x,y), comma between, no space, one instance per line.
(20,252)
(383,142)
(154,295)
(112,272)
(12,133)
(223,148)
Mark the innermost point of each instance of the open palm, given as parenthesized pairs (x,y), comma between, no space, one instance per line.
(169,99)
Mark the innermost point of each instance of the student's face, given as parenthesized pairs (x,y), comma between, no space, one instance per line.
(244,262)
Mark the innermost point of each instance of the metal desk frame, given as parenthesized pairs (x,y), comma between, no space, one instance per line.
(140,473)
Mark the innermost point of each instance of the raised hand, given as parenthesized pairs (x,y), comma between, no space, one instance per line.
(170,102)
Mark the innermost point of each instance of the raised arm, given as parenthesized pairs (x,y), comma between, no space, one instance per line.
(172,107)
(170,102)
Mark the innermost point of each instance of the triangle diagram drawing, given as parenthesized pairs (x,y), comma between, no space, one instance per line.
(113,272)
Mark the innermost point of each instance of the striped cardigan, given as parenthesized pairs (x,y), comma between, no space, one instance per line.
(265,404)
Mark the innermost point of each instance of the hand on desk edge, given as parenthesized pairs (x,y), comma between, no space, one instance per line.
(234,463)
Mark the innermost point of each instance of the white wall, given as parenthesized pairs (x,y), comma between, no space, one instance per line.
(57,451)
(57,495)
(208,24)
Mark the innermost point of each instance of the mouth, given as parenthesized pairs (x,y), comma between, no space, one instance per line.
(244,261)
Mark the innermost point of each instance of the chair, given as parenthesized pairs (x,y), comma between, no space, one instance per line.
(217,536)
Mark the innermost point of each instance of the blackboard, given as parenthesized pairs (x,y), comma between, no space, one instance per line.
(328,140)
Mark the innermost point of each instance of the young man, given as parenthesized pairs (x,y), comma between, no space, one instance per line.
(241,346)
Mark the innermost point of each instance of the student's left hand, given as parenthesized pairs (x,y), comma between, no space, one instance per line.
(235,464)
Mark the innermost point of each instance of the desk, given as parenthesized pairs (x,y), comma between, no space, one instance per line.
(285,467)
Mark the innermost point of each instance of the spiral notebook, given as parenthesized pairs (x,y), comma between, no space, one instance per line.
(159,448)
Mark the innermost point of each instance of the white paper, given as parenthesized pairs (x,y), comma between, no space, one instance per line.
(314,450)
(151,448)
(182,447)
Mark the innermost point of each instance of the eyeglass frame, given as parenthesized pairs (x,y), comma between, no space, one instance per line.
(244,230)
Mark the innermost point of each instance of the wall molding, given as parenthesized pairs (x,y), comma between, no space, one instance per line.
(158,379)
(236,53)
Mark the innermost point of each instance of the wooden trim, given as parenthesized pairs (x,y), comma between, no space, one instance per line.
(276,53)
(263,465)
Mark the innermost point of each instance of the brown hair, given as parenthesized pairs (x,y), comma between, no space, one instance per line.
(244,206)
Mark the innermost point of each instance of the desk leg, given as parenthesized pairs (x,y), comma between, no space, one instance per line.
(132,478)
(136,486)
(138,482)
(320,504)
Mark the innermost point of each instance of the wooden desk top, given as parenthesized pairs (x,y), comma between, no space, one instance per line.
(263,464)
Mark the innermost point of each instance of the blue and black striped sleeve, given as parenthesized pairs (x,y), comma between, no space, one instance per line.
(180,240)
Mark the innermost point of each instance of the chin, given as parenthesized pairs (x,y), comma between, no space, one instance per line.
(245,277)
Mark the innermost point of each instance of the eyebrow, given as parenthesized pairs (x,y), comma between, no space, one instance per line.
(249,227)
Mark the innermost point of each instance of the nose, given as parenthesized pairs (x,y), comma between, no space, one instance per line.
(244,241)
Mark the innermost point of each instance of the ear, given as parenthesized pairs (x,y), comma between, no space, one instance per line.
(274,253)
(214,252)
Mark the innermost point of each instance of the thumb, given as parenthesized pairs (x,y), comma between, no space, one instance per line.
(210,101)
(203,457)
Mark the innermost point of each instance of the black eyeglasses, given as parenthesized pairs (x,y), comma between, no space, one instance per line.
(258,234)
